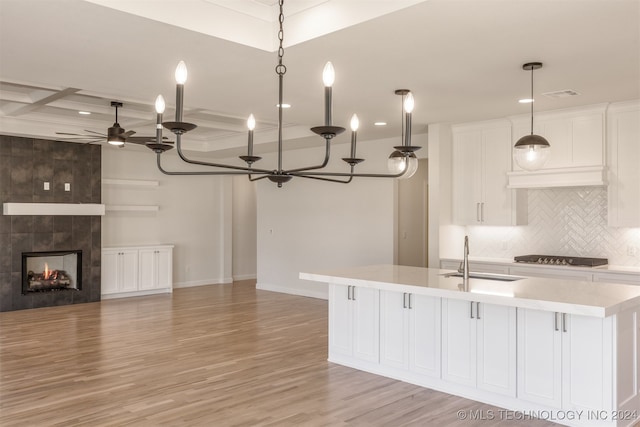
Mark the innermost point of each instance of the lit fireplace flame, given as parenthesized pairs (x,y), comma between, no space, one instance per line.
(47,273)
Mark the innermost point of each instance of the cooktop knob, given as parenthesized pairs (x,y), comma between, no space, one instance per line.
(540,260)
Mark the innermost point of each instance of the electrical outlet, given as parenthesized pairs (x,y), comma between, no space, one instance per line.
(632,250)
(67,186)
(46,186)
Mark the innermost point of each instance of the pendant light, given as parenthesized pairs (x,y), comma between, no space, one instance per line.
(531,151)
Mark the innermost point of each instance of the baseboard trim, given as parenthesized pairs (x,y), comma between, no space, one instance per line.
(245,277)
(194,283)
(291,291)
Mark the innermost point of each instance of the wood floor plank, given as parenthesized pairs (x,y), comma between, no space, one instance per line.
(223,355)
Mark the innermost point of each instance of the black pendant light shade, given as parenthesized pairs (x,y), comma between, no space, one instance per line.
(531,152)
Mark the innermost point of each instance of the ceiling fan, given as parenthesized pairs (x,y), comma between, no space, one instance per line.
(115,135)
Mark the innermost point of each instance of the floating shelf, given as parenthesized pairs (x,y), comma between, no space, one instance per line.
(130,182)
(79,209)
(132,208)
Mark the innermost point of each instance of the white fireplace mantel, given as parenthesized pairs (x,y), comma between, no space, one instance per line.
(52,209)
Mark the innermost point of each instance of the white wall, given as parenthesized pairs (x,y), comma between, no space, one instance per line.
(244,229)
(310,225)
(194,214)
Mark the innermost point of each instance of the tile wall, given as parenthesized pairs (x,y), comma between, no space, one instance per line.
(25,164)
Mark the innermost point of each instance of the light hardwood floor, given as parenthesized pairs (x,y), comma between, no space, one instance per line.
(218,355)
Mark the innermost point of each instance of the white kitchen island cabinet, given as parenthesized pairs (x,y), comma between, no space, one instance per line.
(353,324)
(479,345)
(557,349)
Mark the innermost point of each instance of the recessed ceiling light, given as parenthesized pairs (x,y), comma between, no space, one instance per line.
(526,101)
(284,105)
(380,124)
(84,113)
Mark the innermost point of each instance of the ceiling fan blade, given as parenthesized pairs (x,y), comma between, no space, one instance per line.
(67,133)
(128,133)
(144,139)
(97,133)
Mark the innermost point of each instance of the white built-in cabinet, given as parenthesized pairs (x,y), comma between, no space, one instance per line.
(133,271)
(119,271)
(481,161)
(479,345)
(410,332)
(564,361)
(623,153)
(354,328)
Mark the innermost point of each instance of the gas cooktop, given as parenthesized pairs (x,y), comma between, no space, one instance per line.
(561,260)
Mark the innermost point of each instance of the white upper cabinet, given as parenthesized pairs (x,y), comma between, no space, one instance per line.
(481,160)
(577,144)
(623,153)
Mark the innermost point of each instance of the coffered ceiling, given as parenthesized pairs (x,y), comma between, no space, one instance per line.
(462,60)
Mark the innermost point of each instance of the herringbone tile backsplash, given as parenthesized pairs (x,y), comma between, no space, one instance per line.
(562,221)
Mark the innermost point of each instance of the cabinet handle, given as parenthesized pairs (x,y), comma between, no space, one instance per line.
(404,300)
(353,293)
(555,321)
(477,212)
(477,310)
(471,305)
(482,212)
(564,322)
(410,302)
(349,292)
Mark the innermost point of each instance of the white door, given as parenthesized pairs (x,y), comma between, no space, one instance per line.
(366,323)
(467,177)
(148,267)
(129,270)
(340,321)
(587,351)
(496,328)
(540,357)
(110,273)
(424,335)
(394,329)
(495,208)
(164,269)
(459,342)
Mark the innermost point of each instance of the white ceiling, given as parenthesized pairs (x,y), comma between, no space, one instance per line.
(461,59)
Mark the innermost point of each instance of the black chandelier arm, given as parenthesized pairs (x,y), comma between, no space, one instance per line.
(258,178)
(324,163)
(185,173)
(327,179)
(359,175)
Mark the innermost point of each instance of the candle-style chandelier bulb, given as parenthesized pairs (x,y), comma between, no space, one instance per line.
(251,122)
(409,103)
(355,123)
(181,73)
(160,104)
(328,74)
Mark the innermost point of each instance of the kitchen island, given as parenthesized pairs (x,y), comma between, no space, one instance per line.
(561,350)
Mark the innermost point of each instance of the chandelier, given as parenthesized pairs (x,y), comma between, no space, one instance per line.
(402,163)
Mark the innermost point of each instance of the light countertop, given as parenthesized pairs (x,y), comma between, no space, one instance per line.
(566,296)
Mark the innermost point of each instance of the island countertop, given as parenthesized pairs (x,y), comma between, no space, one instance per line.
(566,296)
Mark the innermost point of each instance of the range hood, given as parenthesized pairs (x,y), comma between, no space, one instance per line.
(594,176)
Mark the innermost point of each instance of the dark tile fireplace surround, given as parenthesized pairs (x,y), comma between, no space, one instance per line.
(25,164)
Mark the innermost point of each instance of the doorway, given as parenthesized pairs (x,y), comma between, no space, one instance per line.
(413,216)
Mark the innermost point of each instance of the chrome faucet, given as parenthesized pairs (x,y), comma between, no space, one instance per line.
(464,265)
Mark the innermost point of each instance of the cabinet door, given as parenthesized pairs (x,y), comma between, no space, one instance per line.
(496,328)
(424,335)
(129,270)
(539,357)
(458,342)
(340,321)
(496,202)
(366,323)
(148,269)
(164,270)
(394,329)
(624,171)
(110,273)
(467,177)
(587,382)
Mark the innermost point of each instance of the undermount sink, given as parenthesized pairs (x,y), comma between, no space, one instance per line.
(486,276)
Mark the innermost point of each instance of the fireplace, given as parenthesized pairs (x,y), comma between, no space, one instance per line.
(51,271)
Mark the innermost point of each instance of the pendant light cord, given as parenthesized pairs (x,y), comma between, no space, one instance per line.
(281,69)
(532,100)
